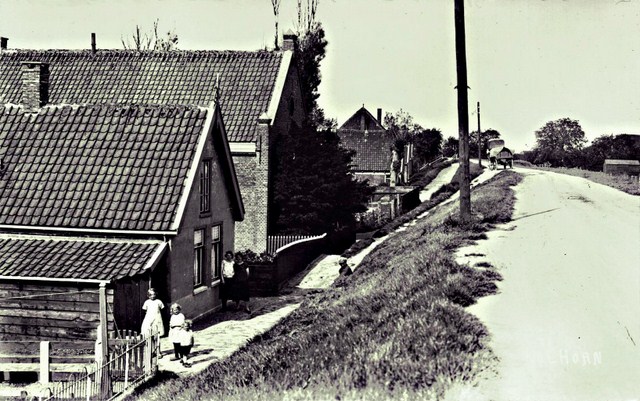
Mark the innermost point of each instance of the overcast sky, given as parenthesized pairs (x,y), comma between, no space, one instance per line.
(529,61)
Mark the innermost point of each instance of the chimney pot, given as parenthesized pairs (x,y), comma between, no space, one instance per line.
(380,116)
(3,43)
(35,84)
(93,43)
(289,40)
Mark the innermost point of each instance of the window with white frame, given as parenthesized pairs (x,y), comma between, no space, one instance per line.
(205,187)
(198,257)
(216,245)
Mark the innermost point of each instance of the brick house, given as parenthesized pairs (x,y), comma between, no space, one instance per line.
(120,196)
(259,93)
(364,134)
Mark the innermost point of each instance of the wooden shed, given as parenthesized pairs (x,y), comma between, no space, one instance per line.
(621,167)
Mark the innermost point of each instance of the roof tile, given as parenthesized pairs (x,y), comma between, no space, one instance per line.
(181,77)
(86,173)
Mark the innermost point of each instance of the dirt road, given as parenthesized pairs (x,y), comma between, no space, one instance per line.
(566,323)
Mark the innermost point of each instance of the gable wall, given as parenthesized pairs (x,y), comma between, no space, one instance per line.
(179,275)
(253,170)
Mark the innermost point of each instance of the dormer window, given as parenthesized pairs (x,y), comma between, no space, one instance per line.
(205,187)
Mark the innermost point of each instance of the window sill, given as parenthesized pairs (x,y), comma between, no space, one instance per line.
(199,289)
(216,283)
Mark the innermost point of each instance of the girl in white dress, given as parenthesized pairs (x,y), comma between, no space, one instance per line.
(175,328)
(152,323)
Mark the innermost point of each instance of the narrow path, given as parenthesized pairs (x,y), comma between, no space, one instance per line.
(444,177)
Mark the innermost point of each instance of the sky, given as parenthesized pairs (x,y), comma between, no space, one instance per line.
(529,61)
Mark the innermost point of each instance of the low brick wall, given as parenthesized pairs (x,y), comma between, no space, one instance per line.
(266,279)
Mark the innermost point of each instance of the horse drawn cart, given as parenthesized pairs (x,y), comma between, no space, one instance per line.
(499,154)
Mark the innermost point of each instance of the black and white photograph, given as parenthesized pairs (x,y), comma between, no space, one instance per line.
(306,200)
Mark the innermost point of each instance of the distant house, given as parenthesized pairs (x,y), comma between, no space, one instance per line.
(373,161)
(121,196)
(373,145)
(259,95)
(617,167)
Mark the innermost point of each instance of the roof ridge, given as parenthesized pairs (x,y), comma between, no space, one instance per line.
(128,52)
(107,105)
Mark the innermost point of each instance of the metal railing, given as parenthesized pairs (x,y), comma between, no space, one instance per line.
(134,363)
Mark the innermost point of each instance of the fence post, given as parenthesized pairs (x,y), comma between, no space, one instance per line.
(105,376)
(44,362)
(147,357)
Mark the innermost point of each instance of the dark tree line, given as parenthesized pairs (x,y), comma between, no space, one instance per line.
(561,143)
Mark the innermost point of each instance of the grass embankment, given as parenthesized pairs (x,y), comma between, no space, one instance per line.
(422,178)
(396,328)
(630,185)
(439,196)
(625,183)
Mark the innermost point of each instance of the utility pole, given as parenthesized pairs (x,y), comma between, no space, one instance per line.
(479,139)
(463,112)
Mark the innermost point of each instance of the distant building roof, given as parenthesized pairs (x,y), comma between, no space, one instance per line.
(373,149)
(625,162)
(367,137)
(247,80)
(76,258)
(96,167)
(362,120)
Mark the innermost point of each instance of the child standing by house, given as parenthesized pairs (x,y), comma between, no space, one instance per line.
(227,284)
(152,323)
(175,329)
(186,342)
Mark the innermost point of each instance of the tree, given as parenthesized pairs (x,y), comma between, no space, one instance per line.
(275,4)
(314,190)
(450,147)
(427,144)
(623,146)
(557,140)
(151,40)
(311,51)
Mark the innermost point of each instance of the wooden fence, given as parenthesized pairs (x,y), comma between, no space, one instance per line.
(275,242)
(58,360)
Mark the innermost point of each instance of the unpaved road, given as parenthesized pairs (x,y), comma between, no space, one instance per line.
(566,322)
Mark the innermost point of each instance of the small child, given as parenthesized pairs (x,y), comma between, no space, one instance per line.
(186,342)
(175,329)
(345,269)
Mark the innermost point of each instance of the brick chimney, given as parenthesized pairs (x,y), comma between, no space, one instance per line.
(3,43)
(289,40)
(93,43)
(35,84)
(380,116)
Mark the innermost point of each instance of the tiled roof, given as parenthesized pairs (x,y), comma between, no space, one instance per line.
(361,120)
(75,258)
(373,149)
(246,80)
(96,167)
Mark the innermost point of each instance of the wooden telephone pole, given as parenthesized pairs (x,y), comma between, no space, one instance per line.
(463,112)
(479,139)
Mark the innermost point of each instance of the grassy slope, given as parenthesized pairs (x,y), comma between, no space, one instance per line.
(395,328)
(630,185)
